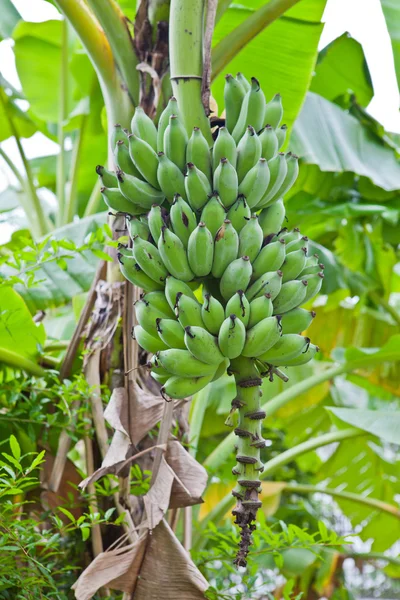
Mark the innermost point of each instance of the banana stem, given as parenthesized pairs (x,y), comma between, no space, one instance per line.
(62,115)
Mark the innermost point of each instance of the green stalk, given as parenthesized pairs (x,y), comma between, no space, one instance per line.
(199,404)
(71,204)
(62,116)
(95,200)
(231,44)
(12,359)
(217,513)
(186,62)
(12,167)
(114,23)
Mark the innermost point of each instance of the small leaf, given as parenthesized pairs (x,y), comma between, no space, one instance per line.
(101,254)
(15,447)
(108,513)
(37,461)
(67,514)
(85,533)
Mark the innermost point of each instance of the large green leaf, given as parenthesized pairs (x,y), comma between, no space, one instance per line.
(384,424)
(342,68)
(9,18)
(327,136)
(391,11)
(22,122)
(18,332)
(282,57)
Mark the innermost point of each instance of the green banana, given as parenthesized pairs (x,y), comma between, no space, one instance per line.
(158,301)
(149,260)
(297,320)
(290,236)
(252,110)
(133,273)
(144,158)
(136,227)
(184,364)
(291,175)
(203,345)
(250,239)
(170,178)
(157,218)
(221,369)
(269,283)
(235,277)
(138,191)
(212,313)
(173,287)
(116,201)
(171,333)
(312,269)
(272,218)
(183,219)
(239,306)
(197,187)
(294,264)
(270,258)
(188,311)
(213,214)
(226,246)
(239,213)
(274,111)
(288,347)
(262,336)
(297,244)
(183,387)
(123,160)
(278,169)
(224,147)
(160,377)
(147,315)
(269,142)
(198,153)
(243,81)
(201,250)
(232,337)
(260,308)
(175,140)
(292,294)
(255,183)
(147,341)
(234,93)
(314,282)
(248,152)
(171,109)
(118,135)
(143,127)
(304,357)
(108,178)
(174,256)
(281,135)
(226,182)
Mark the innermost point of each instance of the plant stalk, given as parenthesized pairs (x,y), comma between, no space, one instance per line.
(71,204)
(62,116)
(14,360)
(12,167)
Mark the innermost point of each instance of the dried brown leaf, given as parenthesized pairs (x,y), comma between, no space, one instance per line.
(116,413)
(148,410)
(190,477)
(157,499)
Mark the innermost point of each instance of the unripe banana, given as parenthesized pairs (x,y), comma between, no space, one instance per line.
(157,219)
(198,153)
(236,277)
(290,177)
(312,269)
(262,337)
(232,337)
(183,219)
(175,141)
(255,183)
(239,213)
(108,178)
(158,301)
(171,333)
(270,258)
(170,178)
(188,311)
(269,283)
(174,256)
(171,109)
(144,158)
(287,348)
(212,313)
(297,244)
(252,110)
(297,320)
(183,387)
(260,308)
(143,127)
(314,285)
(123,160)
(203,345)
(281,135)
(250,238)
(213,214)
(243,81)
(272,218)
(290,236)
(274,111)
(201,250)
(304,357)
(156,367)
(278,169)
(173,287)
(184,364)
(148,258)
(226,182)
(292,294)
(248,152)
(269,142)
(226,247)
(147,315)
(224,147)
(197,187)
(160,377)
(234,93)
(138,191)
(116,201)
(133,273)
(221,369)
(136,227)
(147,341)
(294,264)
(118,134)
(239,306)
